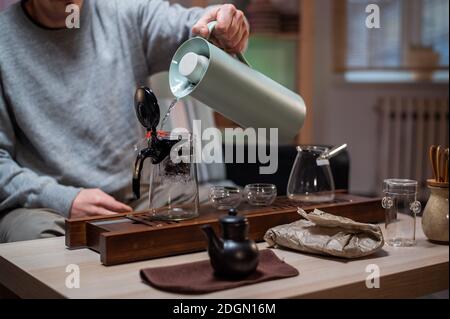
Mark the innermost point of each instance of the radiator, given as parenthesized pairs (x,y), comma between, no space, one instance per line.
(407,127)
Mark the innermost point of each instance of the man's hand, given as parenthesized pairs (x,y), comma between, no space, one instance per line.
(93,202)
(232,29)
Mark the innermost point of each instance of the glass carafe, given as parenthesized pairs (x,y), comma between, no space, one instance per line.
(311,179)
(173,182)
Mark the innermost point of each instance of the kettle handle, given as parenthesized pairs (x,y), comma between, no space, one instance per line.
(239,56)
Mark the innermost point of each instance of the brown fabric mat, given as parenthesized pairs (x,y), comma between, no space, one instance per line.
(198,277)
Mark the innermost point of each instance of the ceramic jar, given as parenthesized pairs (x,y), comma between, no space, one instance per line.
(435,216)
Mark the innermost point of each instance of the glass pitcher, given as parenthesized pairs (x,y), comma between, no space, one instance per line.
(311,179)
(173,182)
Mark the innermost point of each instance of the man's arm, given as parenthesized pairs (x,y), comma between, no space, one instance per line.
(163,27)
(21,187)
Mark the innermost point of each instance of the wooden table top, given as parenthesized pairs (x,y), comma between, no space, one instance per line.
(37,269)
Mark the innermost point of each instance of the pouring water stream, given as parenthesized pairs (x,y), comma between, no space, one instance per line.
(169,110)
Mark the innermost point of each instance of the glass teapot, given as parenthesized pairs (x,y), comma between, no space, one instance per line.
(173,193)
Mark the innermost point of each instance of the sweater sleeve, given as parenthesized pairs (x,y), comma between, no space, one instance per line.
(163,28)
(21,187)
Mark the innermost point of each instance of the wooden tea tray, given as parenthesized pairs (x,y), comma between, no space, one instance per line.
(119,239)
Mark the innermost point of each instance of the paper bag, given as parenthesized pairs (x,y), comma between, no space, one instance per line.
(326,234)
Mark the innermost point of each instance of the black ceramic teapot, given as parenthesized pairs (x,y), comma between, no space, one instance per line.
(234,255)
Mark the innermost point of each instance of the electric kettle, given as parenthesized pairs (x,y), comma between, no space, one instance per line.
(230,86)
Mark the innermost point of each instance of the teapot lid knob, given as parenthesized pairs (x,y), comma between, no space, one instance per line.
(232,218)
(232,212)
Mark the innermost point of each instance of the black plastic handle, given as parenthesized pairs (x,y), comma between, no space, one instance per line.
(147,108)
(142,156)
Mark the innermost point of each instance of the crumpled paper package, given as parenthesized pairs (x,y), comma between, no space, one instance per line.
(326,234)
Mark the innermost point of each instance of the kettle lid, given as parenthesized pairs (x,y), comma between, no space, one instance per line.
(233,219)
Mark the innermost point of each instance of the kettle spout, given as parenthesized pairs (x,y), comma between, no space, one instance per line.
(215,245)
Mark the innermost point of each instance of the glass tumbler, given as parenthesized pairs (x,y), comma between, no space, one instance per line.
(401,207)
(311,179)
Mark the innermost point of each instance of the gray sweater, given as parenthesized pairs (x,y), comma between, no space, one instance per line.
(66,106)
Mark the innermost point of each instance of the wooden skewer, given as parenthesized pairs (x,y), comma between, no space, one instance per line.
(446,166)
(438,163)
(442,164)
(140,220)
(433,160)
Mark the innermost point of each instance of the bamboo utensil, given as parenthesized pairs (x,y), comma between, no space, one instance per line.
(438,163)
(433,149)
(439,158)
(446,166)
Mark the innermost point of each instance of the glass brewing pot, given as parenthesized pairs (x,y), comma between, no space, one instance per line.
(311,179)
(173,176)
(173,182)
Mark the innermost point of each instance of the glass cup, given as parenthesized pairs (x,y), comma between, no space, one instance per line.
(260,194)
(225,197)
(311,179)
(401,207)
